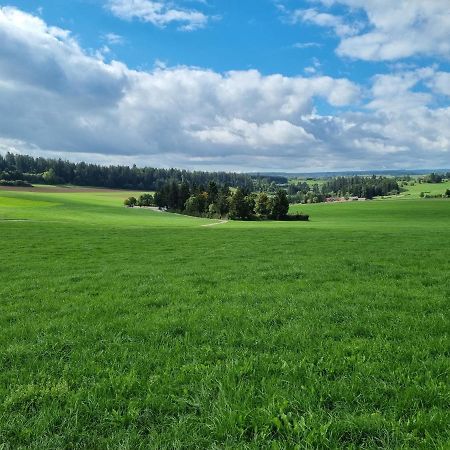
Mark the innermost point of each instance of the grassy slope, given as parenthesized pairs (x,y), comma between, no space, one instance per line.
(133,329)
(429,188)
(411,192)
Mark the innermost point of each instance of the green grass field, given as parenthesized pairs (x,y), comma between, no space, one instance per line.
(126,328)
(428,188)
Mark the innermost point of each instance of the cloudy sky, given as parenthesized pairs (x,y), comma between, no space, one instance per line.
(289,85)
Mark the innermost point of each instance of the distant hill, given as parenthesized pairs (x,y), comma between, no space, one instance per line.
(397,172)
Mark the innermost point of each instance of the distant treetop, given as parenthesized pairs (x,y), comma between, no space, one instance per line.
(57,171)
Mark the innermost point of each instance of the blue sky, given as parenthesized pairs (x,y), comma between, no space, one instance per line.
(241,35)
(227,84)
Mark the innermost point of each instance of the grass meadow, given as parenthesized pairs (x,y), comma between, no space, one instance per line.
(127,329)
(427,188)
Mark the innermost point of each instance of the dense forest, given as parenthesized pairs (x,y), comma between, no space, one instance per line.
(14,167)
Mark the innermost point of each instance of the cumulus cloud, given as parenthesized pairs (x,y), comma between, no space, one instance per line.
(58,99)
(262,137)
(394,92)
(393,30)
(160,13)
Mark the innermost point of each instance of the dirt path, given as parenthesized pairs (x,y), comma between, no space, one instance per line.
(153,208)
(156,209)
(216,223)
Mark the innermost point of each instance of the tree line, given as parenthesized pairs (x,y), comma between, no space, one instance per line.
(435,178)
(215,201)
(14,167)
(364,187)
(353,186)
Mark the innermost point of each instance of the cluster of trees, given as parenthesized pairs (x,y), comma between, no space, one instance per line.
(265,185)
(307,197)
(278,179)
(56,171)
(354,186)
(143,201)
(269,183)
(433,178)
(364,187)
(302,192)
(301,186)
(216,201)
(259,205)
(436,177)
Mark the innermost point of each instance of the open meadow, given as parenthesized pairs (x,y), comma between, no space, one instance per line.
(426,188)
(129,328)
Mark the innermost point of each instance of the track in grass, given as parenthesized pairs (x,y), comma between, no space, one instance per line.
(221,222)
(127,328)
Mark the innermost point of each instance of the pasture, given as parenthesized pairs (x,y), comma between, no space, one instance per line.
(427,188)
(126,328)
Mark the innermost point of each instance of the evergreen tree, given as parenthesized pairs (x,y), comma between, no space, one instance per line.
(183,195)
(83,174)
(213,192)
(173,195)
(159,200)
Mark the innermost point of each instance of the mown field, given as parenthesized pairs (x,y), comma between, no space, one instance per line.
(127,329)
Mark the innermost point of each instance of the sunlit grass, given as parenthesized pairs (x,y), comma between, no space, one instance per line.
(427,188)
(128,328)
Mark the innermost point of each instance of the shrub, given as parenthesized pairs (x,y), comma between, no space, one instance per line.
(130,202)
(145,200)
(18,183)
(213,211)
(296,217)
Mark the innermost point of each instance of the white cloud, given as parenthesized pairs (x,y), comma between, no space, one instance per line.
(266,136)
(325,20)
(394,29)
(302,45)
(57,99)
(160,13)
(441,83)
(393,92)
(113,39)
